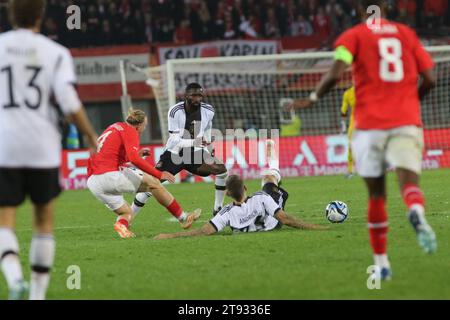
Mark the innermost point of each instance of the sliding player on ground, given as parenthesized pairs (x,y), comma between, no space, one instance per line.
(262,211)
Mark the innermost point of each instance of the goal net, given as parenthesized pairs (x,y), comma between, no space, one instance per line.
(251,93)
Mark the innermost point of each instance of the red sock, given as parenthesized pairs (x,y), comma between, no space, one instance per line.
(378,225)
(124,222)
(412,195)
(175,209)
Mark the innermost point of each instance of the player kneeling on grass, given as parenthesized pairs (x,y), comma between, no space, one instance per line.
(113,171)
(263,211)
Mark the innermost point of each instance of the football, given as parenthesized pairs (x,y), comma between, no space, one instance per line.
(336,211)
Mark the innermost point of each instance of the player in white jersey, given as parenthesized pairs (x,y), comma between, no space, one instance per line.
(262,211)
(32,70)
(190,123)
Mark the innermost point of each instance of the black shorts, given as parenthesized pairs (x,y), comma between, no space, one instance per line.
(278,194)
(175,165)
(42,185)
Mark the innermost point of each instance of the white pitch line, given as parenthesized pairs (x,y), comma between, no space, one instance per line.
(70,227)
(173,219)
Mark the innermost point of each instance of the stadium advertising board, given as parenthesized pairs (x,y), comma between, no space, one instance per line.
(98,75)
(227,48)
(299,156)
(221,79)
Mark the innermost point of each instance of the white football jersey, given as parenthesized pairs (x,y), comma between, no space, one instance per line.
(33,68)
(179,135)
(255,214)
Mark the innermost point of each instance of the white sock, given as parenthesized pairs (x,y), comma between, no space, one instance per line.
(419,209)
(139,201)
(221,180)
(273,162)
(9,259)
(38,285)
(381,260)
(182,217)
(272,158)
(42,253)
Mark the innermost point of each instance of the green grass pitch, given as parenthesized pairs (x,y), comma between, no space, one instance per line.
(285,264)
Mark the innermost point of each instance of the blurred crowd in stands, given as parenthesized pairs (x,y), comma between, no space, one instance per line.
(115,22)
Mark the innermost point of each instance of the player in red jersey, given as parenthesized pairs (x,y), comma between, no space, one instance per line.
(118,168)
(387,59)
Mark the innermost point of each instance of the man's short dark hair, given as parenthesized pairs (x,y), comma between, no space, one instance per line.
(193,86)
(26,13)
(235,187)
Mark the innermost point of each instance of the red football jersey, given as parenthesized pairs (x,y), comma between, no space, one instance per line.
(387,61)
(117,145)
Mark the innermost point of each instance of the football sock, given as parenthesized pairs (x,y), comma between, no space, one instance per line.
(273,163)
(381,260)
(123,221)
(413,198)
(378,225)
(139,202)
(42,253)
(175,209)
(220,190)
(9,257)
(272,159)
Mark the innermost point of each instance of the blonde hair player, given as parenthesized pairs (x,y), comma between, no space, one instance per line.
(118,168)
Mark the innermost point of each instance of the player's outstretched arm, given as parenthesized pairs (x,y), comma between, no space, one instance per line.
(294,222)
(326,84)
(206,230)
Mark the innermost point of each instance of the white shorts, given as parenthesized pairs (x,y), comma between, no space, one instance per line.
(375,150)
(110,187)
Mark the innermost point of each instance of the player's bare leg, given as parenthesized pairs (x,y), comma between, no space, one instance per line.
(123,221)
(220,171)
(42,250)
(415,201)
(165,198)
(140,199)
(378,224)
(9,255)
